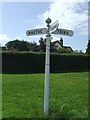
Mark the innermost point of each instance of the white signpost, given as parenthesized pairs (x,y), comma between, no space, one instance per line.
(53,29)
(39,31)
(54,26)
(63,32)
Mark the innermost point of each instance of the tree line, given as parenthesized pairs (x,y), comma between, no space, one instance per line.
(18,45)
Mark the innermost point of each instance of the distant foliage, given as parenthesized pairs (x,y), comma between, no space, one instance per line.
(53,48)
(34,47)
(63,50)
(21,45)
(88,48)
(79,52)
(3,48)
(42,44)
(18,45)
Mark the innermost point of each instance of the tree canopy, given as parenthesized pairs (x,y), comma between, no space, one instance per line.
(18,45)
(88,48)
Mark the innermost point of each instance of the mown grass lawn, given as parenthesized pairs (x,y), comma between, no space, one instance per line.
(23,95)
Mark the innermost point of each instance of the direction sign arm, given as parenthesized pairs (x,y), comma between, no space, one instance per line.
(65,32)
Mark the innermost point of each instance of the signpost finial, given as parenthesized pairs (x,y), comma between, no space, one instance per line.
(48,21)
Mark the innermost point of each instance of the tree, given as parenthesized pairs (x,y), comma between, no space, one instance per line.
(88,48)
(18,45)
(34,47)
(3,48)
(78,52)
(53,48)
(42,44)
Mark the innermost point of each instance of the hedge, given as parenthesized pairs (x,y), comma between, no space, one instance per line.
(35,63)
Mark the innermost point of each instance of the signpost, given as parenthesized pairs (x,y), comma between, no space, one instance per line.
(39,31)
(53,29)
(63,32)
(47,69)
(54,26)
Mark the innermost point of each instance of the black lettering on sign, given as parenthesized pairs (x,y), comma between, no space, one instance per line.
(59,31)
(40,31)
(30,32)
(36,31)
(33,32)
(62,31)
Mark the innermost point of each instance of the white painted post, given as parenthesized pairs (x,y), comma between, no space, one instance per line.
(47,69)
(53,30)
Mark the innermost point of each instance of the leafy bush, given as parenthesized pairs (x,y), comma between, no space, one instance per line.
(63,50)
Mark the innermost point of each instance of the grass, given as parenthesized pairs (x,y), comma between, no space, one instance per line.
(23,95)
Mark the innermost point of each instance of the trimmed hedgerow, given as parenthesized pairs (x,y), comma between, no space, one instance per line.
(15,62)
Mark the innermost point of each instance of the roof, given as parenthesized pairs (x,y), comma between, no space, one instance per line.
(57,42)
(54,42)
(68,47)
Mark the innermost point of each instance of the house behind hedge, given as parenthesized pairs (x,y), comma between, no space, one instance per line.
(59,44)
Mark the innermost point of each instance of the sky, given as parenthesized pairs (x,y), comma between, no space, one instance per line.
(18,17)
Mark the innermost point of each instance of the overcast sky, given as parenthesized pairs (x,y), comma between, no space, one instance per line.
(18,17)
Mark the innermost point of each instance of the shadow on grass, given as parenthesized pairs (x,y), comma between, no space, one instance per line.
(33,72)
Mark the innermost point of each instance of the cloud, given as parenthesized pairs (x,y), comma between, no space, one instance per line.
(31,21)
(71,15)
(4,39)
(41,0)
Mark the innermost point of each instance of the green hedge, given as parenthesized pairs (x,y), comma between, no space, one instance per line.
(35,63)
